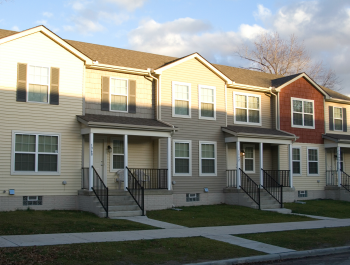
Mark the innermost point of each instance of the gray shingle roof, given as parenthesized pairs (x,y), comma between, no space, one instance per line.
(281,81)
(335,94)
(236,129)
(337,137)
(122,120)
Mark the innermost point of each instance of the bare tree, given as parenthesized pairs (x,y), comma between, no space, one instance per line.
(272,54)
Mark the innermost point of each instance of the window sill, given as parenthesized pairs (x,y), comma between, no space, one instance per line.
(30,173)
(207,118)
(182,175)
(122,111)
(247,123)
(303,127)
(208,175)
(181,116)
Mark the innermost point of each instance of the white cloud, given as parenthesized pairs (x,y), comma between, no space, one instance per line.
(263,13)
(113,17)
(130,5)
(85,26)
(47,14)
(15,28)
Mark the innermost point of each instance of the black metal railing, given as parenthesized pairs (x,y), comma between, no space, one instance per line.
(250,187)
(151,178)
(136,190)
(281,176)
(231,178)
(100,190)
(331,178)
(345,181)
(85,178)
(272,187)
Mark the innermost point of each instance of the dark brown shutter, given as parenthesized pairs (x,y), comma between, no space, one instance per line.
(55,86)
(331,125)
(132,96)
(345,122)
(105,93)
(21,82)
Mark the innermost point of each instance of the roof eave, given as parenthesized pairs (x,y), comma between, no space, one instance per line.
(255,135)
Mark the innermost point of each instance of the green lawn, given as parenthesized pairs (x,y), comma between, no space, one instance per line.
(305,239)
(48,222)
(162,251)
(328,208)
(220,215)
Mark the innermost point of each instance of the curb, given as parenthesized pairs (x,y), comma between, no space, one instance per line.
(281,256)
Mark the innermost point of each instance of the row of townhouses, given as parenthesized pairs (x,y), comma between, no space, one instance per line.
(109,130)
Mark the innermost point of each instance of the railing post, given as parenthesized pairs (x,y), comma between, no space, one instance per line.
(107,204)
(291,165)
(143,201)
(261,149)
(169,163)
(338,166)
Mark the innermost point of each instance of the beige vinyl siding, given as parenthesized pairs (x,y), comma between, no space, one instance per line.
(195,129)
(305,182)
(39,50)
(267,108)
(144,94)
(326,118)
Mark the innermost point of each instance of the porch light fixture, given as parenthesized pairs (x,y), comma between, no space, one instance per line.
(109,149)
(243,152)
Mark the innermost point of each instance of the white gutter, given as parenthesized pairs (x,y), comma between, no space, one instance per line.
(276,109)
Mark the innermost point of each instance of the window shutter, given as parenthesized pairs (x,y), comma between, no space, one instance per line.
(345,123)
(54,86)
(132,96)
(21,82)
(331,125)
(105,93)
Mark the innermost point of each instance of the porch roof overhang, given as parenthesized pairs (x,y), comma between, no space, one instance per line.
(257,135)
(107,124)
(337,140)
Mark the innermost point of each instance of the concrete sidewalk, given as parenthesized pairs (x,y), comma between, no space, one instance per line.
(72,238)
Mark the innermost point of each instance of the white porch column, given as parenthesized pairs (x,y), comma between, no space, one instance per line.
(169,162)
(91,159)
(291,164)
(338,166)
(238,154)
(261,149)
(125,161)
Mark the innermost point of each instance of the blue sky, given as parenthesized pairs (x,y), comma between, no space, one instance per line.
(214,28)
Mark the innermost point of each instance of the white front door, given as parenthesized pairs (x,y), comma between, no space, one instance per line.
(99,164)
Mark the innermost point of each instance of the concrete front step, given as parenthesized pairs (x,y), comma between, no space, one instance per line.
(124,213)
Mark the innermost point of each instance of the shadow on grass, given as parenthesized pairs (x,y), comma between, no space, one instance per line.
(221,215)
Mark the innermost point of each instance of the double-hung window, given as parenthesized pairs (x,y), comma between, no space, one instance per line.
(249,158)
(182,158)
(38,84)
(207,102)
(303,113)
(207,152)
(181,99)
(296,161)
(119,94)
(117,154)
(247,109)
(312,161)
(35,153)
(338,119)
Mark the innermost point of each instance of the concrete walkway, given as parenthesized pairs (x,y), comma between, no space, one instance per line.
(147,221)
(72,238)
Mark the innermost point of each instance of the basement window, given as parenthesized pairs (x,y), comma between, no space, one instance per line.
(192,197)
(32,200)
(302,193)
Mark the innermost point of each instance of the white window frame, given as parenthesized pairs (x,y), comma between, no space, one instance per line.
(112,154)
(127,94)
(36,172)
(247,108)
(302,113)
(173,101)
(48,85)
(342,119)
(200,158)
(200,102)
(297,174)
(190,158)
(244,147)
(318,161)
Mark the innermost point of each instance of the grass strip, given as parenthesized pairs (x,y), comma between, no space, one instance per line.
(221,215)
(161,251)
(327,208)
(305,239)
(48,222)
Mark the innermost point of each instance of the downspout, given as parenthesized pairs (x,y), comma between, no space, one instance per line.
(276,108)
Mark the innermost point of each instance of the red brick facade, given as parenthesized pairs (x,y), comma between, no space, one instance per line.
(304,90)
